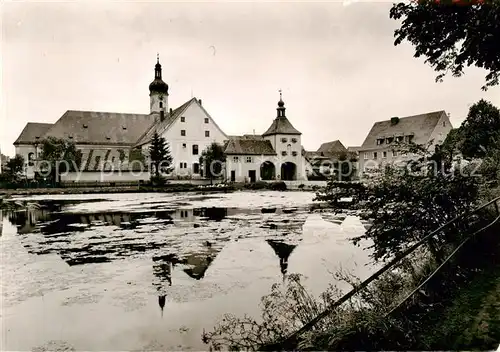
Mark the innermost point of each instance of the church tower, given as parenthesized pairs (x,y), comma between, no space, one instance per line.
(158,92)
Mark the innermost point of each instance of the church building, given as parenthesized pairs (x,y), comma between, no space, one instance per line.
(109,140)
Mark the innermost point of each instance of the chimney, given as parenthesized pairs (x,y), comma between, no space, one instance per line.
(394,120)
(171,111)
(162,115)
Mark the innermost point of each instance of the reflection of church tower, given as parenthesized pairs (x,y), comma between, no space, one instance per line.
(283,251)
(162,270)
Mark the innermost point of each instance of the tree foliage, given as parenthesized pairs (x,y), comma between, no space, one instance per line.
(58,156)
(452,34)
(12,173)
(479,134)
(159,154)
(408,201)
(213,159)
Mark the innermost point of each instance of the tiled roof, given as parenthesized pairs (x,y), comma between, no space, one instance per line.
(249,146)
(31,131)
(332,148)
(167,122)
(421,126)
(281,125)
(90,127)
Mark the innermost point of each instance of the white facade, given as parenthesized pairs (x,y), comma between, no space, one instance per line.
(188,136)
(29,153)
(288,149)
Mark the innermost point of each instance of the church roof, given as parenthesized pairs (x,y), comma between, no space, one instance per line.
(420,126)
(281,125)
(249,145)
(90,127)
(31,131)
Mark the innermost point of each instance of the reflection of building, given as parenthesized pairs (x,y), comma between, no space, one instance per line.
(283,251)
(162,270)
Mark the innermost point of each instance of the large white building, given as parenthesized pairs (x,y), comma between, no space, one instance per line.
(108,141)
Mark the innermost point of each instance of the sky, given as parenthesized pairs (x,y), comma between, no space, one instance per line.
(336,64)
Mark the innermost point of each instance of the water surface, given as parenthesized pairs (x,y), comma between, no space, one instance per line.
(151,271)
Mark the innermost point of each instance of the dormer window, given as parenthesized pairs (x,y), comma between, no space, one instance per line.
(389,140)
(124,127)
(108,138)
(410,138)
(85,125)
(380,141)
(399,138)
(70,137)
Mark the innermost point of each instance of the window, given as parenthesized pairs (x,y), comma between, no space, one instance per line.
(384,154)
(183,119)
(410,139)
(195,149)
(444,123)
(181,165)
(183,133)
(399,138)
(196,168)
(284,140)
(161,104)
(374,155)
(183,145)
(207,133)
(294,140)
(366,156)
(294,153)
(31,156)
(283,153)
(113,159)
(236,159)
(206,119)
(394,153)
(249,159)
(389,140)
(380,141)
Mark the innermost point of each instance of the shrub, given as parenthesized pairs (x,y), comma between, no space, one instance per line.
(278,186)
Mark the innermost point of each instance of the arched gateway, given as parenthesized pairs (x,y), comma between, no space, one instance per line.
(267,171)
(288,171)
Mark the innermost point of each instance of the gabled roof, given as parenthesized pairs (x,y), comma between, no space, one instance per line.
(420,126)
(170,118)
(31,131)
(160,127)
(91,127)
(281,125)
(249,145)
(333,147)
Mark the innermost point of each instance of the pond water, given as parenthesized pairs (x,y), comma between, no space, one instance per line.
(150,272)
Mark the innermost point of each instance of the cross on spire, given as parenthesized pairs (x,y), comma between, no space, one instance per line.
(157,58)
(280,93)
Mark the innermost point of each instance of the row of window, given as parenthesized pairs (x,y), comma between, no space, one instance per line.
(399,139)
(284,153)
(183,133)
(384,155)
(236,159)
(284,140)
(183,119)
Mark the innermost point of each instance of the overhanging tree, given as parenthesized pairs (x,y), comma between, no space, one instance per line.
(452,34)
(159,154)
